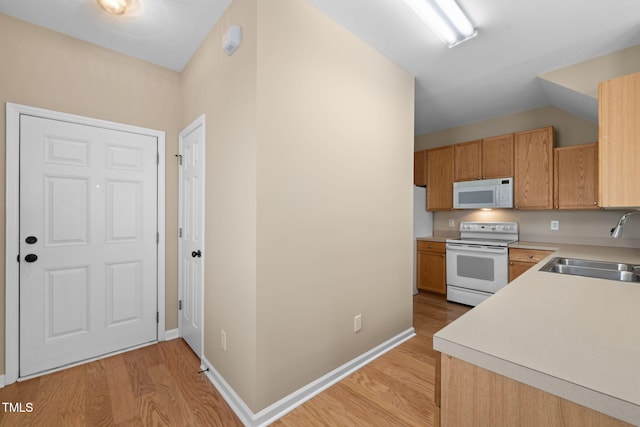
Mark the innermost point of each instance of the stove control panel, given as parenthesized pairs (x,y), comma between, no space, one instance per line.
(489,227)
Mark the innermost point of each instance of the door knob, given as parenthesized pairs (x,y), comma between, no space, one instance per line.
(31,240)
(31,258)
(197,254)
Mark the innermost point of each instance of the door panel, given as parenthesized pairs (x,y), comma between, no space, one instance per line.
(66,302)
(67,210)
(89,195)
(124,292)
(124,211)
(192,241)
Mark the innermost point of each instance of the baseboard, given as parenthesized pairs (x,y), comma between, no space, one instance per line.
(300,396)
(171,334)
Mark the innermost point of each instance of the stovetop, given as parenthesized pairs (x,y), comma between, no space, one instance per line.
(487,233)
(483,241)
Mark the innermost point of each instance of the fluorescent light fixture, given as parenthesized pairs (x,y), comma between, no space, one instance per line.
(445,18)
(114,7)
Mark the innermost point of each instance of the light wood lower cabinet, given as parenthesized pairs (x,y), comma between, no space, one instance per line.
(520,260)
(432,267)
(473,396)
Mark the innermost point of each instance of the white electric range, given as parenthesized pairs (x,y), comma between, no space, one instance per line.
(478,261)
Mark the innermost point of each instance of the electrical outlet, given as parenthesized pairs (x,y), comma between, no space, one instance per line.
(223,340)
(452,223)
(555,225)
(357,323)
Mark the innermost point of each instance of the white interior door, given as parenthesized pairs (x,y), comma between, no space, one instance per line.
(191,241)
(88,249)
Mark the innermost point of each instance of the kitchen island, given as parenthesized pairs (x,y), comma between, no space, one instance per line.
(575,339)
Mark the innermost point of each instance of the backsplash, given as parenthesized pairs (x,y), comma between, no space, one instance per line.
(577,227)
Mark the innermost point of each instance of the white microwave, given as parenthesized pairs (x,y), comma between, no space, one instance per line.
(486,193)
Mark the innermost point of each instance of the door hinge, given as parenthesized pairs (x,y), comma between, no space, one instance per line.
(180,232)
(180,305)
(18,258)
(158,237)
(157,158)
(157,317)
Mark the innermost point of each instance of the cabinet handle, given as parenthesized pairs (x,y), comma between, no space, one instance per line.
(442,255)
(511,263)
(530,256)
(595,203)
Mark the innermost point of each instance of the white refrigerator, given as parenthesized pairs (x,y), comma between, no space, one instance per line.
(422,224)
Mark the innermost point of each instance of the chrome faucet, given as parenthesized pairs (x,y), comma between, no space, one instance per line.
(617,230)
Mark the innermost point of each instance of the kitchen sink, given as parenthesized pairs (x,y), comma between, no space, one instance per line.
(598,269)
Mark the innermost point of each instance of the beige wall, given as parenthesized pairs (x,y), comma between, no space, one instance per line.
(584,77)
(224,89)
(570,129)
(45,69)
(334,233)
(578,227)
(308,212)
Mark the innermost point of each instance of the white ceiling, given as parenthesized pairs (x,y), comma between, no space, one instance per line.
(164,32)
(491,75)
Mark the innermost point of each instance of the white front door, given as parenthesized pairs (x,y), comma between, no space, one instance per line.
(191,239)
(88,250)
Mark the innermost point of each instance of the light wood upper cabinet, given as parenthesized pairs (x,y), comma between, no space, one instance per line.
(533,162)
(440,178)
(576,177)
(467,161)
(484,159)
(619,141)
(497,157)
(420,168)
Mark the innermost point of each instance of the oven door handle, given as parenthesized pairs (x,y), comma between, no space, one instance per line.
(477,249)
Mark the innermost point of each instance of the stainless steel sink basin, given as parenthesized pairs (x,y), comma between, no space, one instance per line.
(598,269)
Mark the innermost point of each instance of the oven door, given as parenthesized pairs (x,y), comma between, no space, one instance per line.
(478,267)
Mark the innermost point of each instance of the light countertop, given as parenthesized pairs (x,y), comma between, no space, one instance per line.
(433,239)
(575,337)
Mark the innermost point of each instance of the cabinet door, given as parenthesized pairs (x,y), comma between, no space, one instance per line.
(619,150)
(516,268)
(497,157)
(420,168)
(533,178)
(432,270)
(440,178)
(467,161)
(576,177)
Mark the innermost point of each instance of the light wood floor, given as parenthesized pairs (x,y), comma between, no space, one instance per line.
(160,385)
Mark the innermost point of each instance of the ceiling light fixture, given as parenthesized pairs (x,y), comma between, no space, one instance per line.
(445,18)
(114,7)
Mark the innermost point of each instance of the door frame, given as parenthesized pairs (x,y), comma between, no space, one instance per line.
(200,121)
(12,221)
